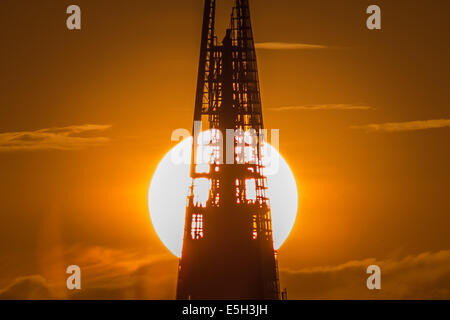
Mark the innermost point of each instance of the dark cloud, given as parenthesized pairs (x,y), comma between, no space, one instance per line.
(118,274)
(152,281)
(424,276)
(33,287)
(115,274)
(105,274)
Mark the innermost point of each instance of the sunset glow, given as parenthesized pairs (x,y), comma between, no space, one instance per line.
(170,186)
(95,153)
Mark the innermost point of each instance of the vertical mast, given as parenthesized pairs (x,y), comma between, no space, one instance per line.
(207,44)
(228,246)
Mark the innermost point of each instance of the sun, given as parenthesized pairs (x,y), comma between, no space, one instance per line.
(167,196)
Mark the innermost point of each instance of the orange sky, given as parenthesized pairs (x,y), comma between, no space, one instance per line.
(367,193)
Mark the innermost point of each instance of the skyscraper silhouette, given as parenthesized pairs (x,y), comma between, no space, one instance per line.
(228,246)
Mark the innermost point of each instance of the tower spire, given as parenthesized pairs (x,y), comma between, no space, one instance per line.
(228,246)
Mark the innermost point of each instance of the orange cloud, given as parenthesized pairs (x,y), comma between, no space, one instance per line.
(62,138)
(105,274)
(423,276)
(323,107)
(288,46)
(405,126)
(27,288)
(123,274)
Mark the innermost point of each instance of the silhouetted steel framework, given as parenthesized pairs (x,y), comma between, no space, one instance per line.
(228,246)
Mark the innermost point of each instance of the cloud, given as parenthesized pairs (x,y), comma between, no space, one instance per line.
(106,273)
(404,126)
(32,287)
(323,107)
(423,276)
(125,274)
(288,46)
(154,280)
(62,138)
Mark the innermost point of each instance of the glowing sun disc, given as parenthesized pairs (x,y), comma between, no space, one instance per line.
(168,192)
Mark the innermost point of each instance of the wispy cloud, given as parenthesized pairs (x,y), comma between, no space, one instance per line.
(107,273)
(404,126)
(27,288)
(288,46)
(422,276)
(127,274)
(323,107)
(59,138)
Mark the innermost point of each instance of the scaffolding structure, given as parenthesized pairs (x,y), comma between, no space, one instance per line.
(228,244)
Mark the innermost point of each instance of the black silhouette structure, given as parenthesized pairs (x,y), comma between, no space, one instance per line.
(228,248)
